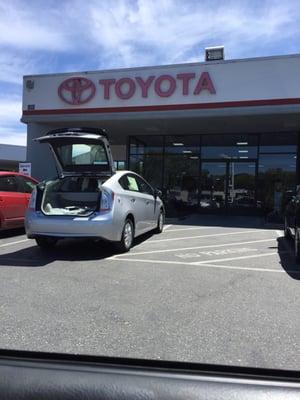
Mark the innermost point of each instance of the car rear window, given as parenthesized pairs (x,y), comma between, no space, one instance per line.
(82,155)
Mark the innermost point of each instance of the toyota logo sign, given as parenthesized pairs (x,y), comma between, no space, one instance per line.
(76,90)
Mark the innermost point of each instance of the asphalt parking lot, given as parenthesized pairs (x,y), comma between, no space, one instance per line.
(210,289)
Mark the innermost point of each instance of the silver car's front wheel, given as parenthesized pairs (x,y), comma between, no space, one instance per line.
(160,222)
(127,237)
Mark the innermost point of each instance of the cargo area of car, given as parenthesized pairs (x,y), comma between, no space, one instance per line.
(73,195)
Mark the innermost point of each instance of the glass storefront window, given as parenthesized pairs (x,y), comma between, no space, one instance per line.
(285,142)
(213,171)
(213,185)
(239,147)
(181,180)
(146,158)
(228,152)
(184,145)
(149,166)
(146,145)
(119,165)
(241,182)
(276,174)
(181,172)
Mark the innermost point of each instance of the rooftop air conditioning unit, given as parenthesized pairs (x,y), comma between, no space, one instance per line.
(214,53)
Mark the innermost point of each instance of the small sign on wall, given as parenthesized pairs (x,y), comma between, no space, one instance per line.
(25,168)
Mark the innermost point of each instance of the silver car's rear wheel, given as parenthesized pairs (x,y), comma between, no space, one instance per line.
(127,237)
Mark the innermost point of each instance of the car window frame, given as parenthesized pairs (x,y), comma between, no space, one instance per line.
(21,180)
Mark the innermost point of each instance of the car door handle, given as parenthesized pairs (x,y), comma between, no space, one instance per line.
(132,200)
(147,202)
(1,199)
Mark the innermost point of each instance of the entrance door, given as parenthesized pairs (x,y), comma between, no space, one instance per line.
(228,184)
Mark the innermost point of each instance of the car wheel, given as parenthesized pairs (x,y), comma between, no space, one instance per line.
(160,222)
(297,245)
(45,242)
(127,237)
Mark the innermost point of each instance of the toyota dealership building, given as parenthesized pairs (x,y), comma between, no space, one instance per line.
(218,135)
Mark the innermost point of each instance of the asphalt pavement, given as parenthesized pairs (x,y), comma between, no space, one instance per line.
(209,289)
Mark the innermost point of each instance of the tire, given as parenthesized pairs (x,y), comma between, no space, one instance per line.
(127,238)
(297,245)
(45,242)
(160,222)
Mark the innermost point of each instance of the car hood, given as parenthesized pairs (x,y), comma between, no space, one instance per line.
(79,151)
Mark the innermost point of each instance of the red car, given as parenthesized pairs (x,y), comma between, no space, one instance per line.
(15,190)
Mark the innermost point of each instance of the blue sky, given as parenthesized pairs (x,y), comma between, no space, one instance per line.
(46,36)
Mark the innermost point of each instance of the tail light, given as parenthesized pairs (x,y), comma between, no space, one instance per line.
(32,201)
(107,200)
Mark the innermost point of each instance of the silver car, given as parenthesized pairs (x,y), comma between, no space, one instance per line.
(89,199)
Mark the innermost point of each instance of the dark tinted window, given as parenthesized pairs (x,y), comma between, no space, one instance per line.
(8,184)
(144,187)
(124,182)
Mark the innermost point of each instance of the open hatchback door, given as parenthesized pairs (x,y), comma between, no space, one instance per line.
(84,163)
(80,150)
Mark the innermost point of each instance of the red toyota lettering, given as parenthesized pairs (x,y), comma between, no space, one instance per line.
(205,83)
(124,95)
(144,85)
(186,77)
(165,92)
(106,86)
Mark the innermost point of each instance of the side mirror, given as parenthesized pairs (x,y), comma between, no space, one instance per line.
(157,193)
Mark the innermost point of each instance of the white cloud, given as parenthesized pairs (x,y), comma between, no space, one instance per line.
(13,136)
(24,26)
(13,66)
(42,36)
(10,109)
(166,31)
(12,131)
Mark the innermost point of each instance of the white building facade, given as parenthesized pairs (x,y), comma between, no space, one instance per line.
(219,135)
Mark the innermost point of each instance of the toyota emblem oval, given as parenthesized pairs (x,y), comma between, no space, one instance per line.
(76,90)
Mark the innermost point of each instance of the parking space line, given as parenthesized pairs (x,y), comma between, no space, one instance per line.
(189,229)
(238,258)
(166,227)
(197,247)
(204,236)
(242,268)
(12,243)
(205,265)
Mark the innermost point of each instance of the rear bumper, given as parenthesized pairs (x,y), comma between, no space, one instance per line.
(96,226)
